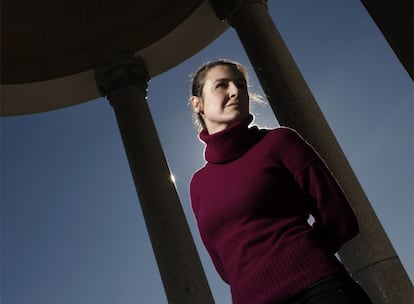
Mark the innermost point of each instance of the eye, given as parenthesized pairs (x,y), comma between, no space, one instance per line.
(221,85)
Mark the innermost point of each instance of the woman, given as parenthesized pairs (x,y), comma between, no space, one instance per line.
(253,199)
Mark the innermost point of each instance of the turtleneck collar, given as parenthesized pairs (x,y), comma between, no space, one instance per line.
(229,143)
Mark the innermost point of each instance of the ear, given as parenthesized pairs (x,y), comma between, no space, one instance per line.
(196,104)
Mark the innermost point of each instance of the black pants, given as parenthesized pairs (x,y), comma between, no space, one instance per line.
(336,289)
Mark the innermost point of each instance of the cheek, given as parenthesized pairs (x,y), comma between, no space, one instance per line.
(211,102)
(210,108)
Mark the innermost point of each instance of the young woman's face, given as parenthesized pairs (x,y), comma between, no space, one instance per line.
(224,98)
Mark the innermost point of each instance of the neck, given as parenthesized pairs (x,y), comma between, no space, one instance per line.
(229,143)
(213,128)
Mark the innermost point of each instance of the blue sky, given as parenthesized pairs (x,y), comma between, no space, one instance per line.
(72,230)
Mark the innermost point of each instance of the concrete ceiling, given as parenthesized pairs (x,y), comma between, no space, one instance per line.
(49,49)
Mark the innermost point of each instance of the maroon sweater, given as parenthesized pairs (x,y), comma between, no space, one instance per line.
(252,201)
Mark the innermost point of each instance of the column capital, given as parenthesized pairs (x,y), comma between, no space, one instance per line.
(120,72)
(225,9)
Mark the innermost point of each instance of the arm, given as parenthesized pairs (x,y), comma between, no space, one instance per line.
(334,218)
(214,256)
(207,243)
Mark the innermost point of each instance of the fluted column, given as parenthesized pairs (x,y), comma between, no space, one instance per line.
(124,81)
(370,257)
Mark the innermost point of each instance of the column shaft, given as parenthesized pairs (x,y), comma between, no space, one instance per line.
(370,257)
(178,261)
(395,20)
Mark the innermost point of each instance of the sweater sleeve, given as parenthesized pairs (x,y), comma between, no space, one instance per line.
(335,219)
(207,244)
(214,256)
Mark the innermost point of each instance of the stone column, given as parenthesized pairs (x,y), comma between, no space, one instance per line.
(395,20)
(370,257)
(124,82)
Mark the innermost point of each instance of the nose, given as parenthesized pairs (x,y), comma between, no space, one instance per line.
(233,90)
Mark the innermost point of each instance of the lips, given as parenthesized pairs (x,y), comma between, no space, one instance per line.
(232,103)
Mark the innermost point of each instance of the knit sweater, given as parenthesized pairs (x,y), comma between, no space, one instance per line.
(252,202)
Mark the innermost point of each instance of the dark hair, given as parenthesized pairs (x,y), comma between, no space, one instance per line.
(199,80)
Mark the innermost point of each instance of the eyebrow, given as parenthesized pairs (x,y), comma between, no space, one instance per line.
(230,79)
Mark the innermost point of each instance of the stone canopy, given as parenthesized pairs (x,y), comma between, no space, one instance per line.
(49,50)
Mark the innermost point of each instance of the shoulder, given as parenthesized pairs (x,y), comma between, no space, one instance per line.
(285,137)
(284,132)
(199,179)
(290,147)
(195,178)
(194,191)
(279,140)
